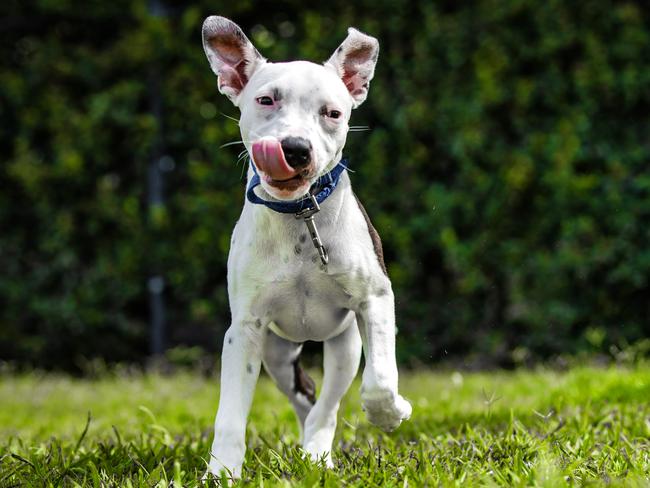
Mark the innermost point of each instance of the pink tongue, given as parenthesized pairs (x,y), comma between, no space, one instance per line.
(269,158)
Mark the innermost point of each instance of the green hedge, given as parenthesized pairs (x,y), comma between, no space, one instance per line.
(506,170)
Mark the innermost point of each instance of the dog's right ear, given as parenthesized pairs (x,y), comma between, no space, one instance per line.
(232,57)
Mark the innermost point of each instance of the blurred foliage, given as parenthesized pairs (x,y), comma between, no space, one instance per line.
(506,170)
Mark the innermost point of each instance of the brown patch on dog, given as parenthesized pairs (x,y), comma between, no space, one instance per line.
(302,383)
(374,236)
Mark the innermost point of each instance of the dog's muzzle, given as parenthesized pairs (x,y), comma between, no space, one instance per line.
(268,156)
(297,152)
(284,165)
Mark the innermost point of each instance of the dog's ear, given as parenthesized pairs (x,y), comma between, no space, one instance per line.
(232,57)
(354,61)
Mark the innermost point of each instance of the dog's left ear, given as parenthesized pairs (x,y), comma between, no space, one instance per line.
(354,61)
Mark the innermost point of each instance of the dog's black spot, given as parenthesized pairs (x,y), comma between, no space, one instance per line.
(297,249)
(302,383)
(229,340)
(258,323)
(249,368)
(277,96)
(363,305)
(303,238)
(339,49)
(314,258)
(307,292)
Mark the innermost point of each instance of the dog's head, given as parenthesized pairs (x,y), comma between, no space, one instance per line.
(294,116)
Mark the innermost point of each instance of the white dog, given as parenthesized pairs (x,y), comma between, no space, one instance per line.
(305,262)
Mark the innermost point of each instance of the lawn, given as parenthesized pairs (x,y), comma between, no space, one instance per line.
(545,428)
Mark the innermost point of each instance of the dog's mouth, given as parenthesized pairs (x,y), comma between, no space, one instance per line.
(269,159)
(290,184)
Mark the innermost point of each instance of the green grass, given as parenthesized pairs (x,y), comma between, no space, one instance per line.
(542,428)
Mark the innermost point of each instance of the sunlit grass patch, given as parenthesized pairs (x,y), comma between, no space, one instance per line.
(542,428)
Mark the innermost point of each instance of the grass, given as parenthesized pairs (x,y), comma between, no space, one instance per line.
(586,426)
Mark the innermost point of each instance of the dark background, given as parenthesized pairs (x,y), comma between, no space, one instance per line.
(506,170)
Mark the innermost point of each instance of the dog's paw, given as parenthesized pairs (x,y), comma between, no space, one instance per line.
(319,455)
(387,411)
(217,471)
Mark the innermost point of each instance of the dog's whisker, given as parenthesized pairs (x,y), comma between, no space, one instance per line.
(243,169)
(240,141)
(231,144)
(229,117)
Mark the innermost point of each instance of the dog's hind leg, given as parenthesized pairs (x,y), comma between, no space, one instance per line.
(341,363)
(281,362)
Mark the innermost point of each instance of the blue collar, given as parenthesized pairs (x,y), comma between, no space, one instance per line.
(324,186)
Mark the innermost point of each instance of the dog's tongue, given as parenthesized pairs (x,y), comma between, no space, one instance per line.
(269,158)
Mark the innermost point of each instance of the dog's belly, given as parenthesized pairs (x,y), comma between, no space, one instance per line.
(301,309)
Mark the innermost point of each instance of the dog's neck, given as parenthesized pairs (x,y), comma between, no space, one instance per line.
(320,191)
(330,209)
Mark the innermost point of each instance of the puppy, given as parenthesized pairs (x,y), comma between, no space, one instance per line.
(305,262)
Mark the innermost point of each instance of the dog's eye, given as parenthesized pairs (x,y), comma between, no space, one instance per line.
(265,101)
(331,114)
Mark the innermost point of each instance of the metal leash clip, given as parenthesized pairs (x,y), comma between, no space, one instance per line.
(308,216)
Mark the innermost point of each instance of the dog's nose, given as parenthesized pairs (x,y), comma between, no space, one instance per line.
(297,151)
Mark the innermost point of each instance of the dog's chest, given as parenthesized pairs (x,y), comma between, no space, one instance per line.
(301,304)
(288,288)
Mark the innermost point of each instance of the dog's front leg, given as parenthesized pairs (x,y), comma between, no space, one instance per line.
(240,367)
(383,405)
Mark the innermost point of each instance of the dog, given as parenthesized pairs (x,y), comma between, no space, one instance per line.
(305,262)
